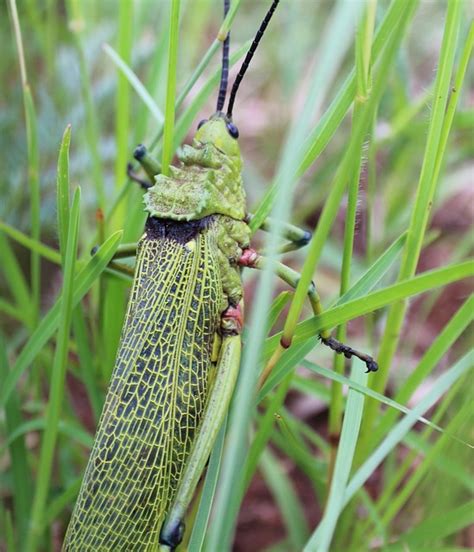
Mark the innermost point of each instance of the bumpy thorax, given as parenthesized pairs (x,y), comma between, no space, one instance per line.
(206,182)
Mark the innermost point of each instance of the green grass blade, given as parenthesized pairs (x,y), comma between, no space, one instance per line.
(10,266)
(61,502)
(50,322)
(290,507)
(76,26)
(431,531)
(375,273)
(321,540)
(334,115)
(58,377)
(413,480)
(62,192)
(168,132)
(33,167)
(136,84)
(122,100)
(33,179)
(86,362)
(71,430)
(332,204)
(368,392)
(14,277)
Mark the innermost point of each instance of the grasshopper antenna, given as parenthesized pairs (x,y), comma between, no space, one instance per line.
(249,56)
(225,65)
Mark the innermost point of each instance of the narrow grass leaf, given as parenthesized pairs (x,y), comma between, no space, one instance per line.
(321,540)
(11,267)
(375,273)
(61,502)
(286,499)
(86,361)
(168,133)
(62,190)
(58,376)
(367,391)
(14,277)
(433,530)
(135,83)
(440,346)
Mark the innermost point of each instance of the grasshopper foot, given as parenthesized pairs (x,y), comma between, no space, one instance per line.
(348,352)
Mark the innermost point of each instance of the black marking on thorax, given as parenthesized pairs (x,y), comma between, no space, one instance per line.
(178,231)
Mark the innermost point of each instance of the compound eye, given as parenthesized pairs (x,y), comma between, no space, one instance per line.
(201,123)
(233,130)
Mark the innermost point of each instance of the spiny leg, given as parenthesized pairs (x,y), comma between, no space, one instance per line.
(150,165)
(252,259)
(297,237)
(216,407)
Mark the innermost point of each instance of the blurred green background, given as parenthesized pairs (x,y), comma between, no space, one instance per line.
(73,80)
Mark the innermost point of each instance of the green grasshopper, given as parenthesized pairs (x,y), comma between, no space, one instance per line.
(180,348)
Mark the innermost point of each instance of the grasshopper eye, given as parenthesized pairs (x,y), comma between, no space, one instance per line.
(201,123)
(233,130)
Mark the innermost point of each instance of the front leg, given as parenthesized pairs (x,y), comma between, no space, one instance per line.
(251,259)
(296,236)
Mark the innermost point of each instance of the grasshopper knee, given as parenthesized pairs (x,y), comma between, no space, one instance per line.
(139,152)
(305,239)
(172,534)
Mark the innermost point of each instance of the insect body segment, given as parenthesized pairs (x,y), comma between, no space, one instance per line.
(208,180)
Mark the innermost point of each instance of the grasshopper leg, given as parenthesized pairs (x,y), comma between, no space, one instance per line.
(216,408)
(252,259)
(296,236)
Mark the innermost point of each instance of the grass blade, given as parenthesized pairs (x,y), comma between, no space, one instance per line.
(56,393)
(321,540)
(62,192)
(168,147)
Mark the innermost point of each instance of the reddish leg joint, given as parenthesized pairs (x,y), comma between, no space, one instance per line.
(248,258)
(232,320)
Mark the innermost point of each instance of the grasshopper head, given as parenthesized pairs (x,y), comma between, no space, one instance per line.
(221,132)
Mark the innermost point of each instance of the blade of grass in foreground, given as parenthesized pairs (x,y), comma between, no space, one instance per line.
(58,377)
(49,323)
(170,88)
(321,540)
(62,191)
